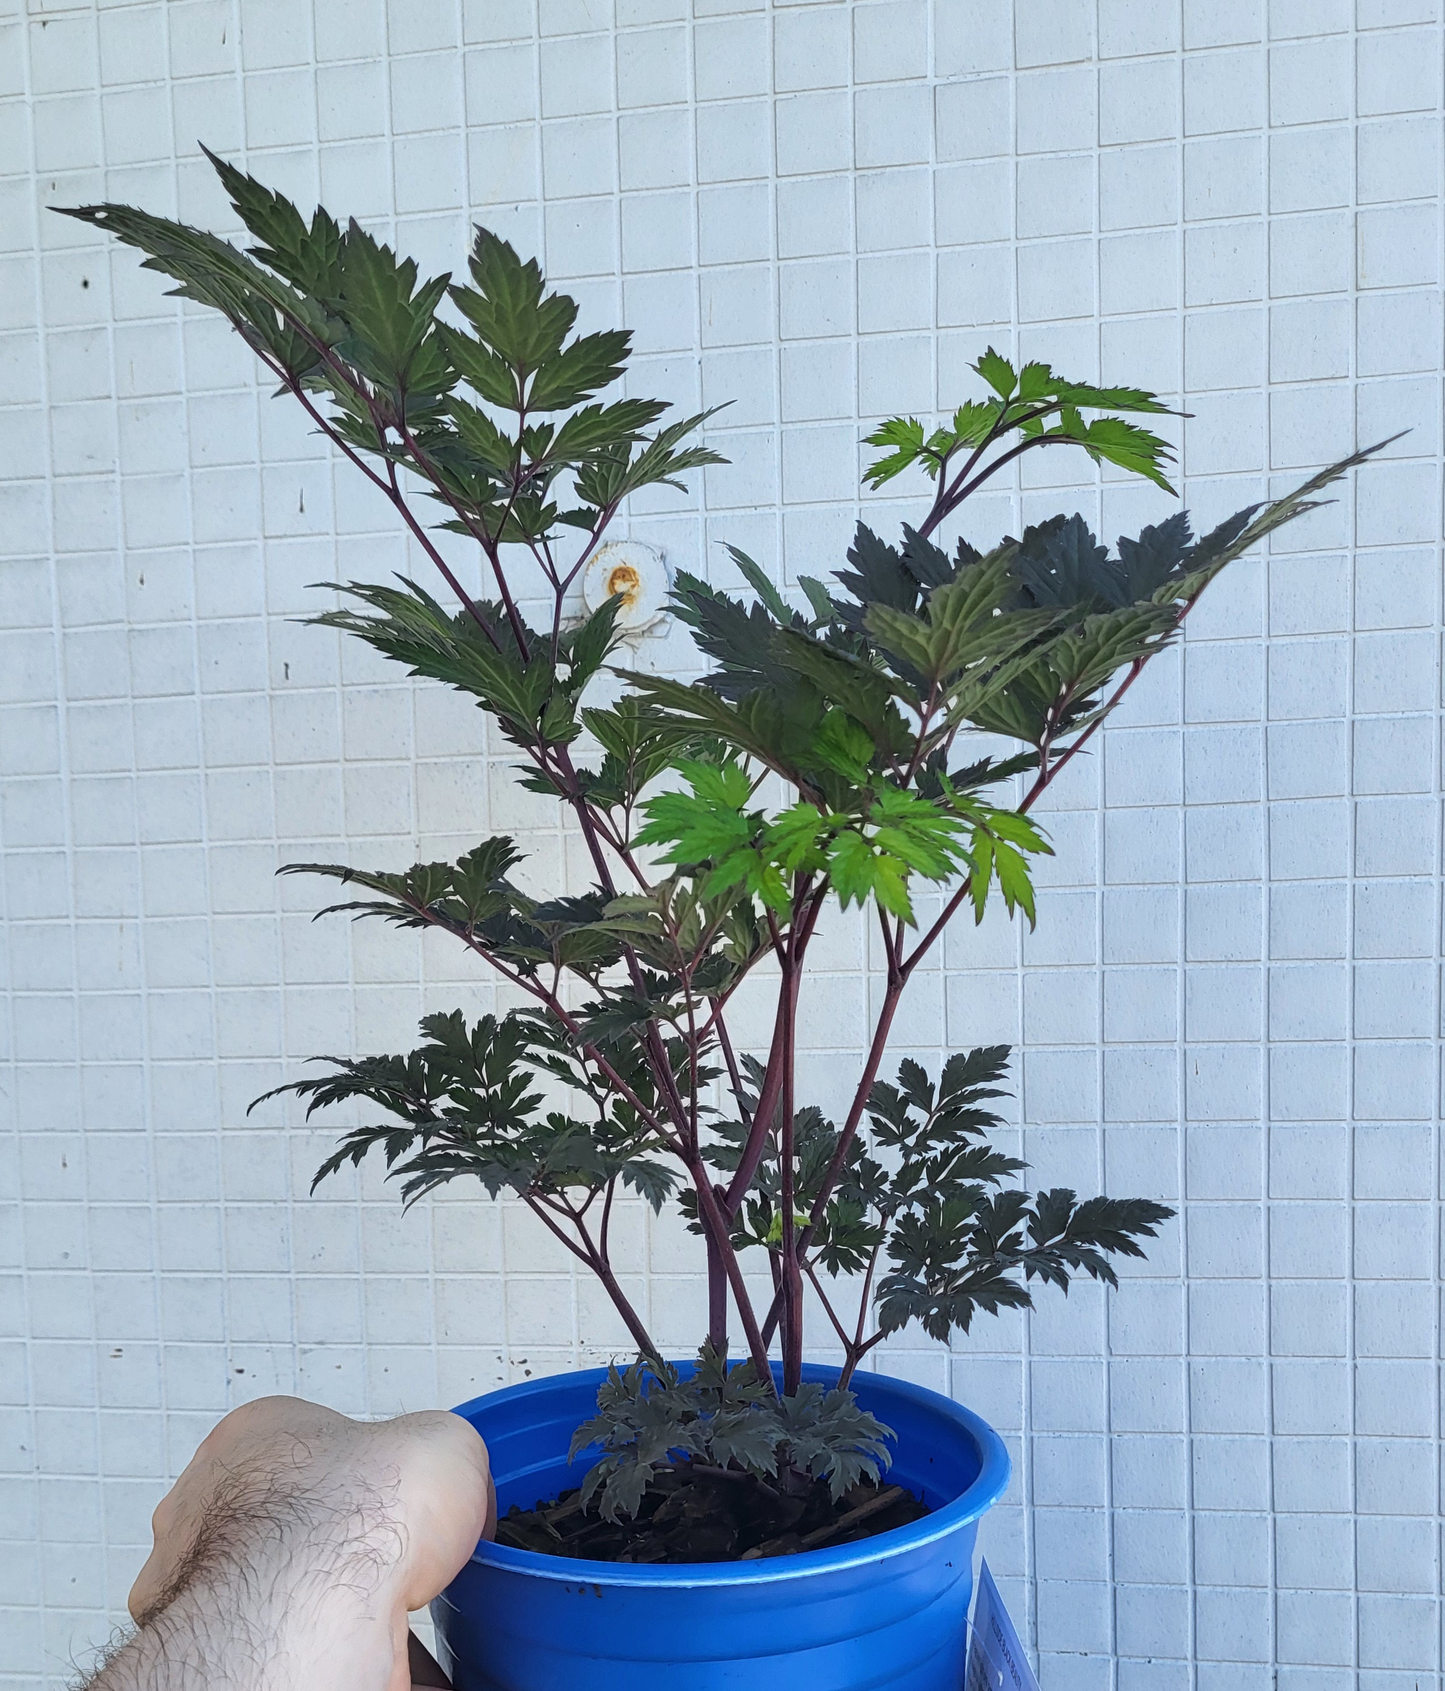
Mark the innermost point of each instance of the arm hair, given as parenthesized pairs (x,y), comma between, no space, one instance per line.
(276,1570)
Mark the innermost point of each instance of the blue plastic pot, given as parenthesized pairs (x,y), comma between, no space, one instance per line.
(889,1611)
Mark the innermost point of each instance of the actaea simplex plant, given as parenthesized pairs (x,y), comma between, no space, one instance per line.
(823,758)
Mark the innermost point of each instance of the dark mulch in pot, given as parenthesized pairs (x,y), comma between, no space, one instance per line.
(712,1515)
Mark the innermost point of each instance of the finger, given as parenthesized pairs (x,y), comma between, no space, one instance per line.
(446,1494)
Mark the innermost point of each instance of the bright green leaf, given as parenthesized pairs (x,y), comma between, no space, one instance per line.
(998,373)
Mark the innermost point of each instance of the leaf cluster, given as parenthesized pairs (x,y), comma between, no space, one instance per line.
(930,1191)
(534,692)
(474,899)
(891,835)
(483,387)
(700,941)
(495,409)
(465,1103)
(924,1187)
(1038,407)
(689,944)
(963,1252)
(651,1416)
(860,704)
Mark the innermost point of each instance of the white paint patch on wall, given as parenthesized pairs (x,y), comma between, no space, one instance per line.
(822,212)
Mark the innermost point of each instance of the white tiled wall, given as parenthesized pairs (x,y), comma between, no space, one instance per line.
(1227,1474)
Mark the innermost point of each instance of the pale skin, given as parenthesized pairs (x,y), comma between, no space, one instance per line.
(291,1551)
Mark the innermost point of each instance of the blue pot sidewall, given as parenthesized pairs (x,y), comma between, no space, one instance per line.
(818,1611)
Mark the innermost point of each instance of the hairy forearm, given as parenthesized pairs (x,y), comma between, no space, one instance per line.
(286,1586)
(209,1639)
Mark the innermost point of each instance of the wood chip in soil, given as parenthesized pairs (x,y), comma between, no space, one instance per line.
(690,1516)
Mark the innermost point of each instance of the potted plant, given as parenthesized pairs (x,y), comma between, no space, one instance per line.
(737,1515)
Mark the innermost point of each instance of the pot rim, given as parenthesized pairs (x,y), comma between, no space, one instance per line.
(987,1487)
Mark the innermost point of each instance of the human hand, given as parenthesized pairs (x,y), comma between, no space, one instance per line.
(307,1538)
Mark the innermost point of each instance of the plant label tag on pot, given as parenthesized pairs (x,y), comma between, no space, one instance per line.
(996,1659)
